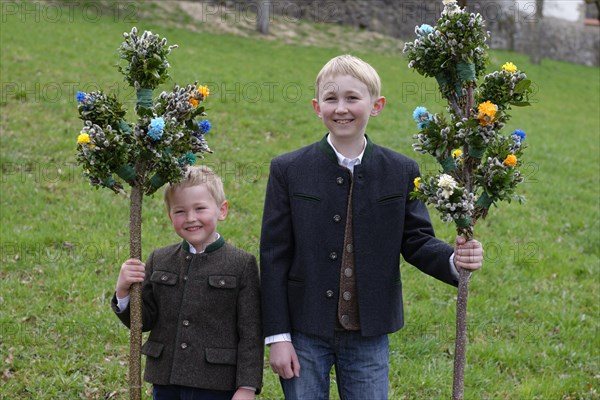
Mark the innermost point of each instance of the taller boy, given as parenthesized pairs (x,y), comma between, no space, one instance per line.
(337,218)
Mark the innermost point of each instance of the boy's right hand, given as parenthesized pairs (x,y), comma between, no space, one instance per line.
(284,360)
(132,271)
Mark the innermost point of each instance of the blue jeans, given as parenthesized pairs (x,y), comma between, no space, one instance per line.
(361,367)
(174,392)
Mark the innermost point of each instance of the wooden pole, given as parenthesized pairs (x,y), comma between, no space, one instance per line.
(135,293)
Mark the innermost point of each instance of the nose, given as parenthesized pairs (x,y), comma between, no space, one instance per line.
(341,107)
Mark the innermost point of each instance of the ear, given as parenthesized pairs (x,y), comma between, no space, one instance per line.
(170,218)
(378,106)
(223,210)
(316,107)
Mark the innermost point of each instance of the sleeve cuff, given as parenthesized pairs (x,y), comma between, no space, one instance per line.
(122,303)
(453,270)
(281,337)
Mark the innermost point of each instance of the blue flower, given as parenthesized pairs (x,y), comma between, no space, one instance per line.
(424,30)
(80,96)
(204,126)
(155,128)
(518,135)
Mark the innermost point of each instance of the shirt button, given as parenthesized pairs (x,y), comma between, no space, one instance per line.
(345,319)
(348,272)
(340,180)
(188,257)
(349,248)
(185,278)
(184,346)
(347,296)
(333,255)
(337,218)
(329,294)
(164,278)
(186,322)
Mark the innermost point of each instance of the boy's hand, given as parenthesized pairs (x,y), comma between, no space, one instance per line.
(468,254)
(132,271)
(284,360)
(244,394)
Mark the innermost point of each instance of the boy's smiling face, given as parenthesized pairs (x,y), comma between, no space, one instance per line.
(345,105)
(194,214)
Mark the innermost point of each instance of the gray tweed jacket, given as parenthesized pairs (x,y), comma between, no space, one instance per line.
(203,311)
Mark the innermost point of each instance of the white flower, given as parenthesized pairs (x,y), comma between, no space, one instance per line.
(451,8)
(447,184)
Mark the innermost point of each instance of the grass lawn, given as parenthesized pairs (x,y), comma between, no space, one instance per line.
(533,309)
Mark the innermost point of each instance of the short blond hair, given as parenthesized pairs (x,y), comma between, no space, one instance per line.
(350,65)
(196,176)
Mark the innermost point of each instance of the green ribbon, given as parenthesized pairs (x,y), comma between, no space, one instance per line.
(465,71)
(156,182)
(448,164)
(485,200)
(144,97)
(124,126)
(126,172)
(476,152)
(463,222)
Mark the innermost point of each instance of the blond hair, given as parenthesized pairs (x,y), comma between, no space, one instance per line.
(353,66)
(196,176)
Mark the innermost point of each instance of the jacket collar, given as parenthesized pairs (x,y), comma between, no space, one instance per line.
(326,149)
(214,246)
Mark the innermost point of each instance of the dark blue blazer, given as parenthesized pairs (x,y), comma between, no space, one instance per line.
(303,234)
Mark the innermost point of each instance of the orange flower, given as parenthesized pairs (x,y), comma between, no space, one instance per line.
(487,112)
(194,101)
(510,160)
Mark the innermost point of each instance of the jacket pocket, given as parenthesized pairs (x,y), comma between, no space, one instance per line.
(152,349)
(390,198)
(306,197)
(222,281)
(164,278)
(221,356)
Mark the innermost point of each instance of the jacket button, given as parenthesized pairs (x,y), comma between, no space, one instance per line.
(349,248)
(333,255)
(222,282)
(329,294)
(188,257)
(345,319)
(186,322)
(348,272)
(340,180)
(184,346)
(347,296)
(164,278)
(337,218)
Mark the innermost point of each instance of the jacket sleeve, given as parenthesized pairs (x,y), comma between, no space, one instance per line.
(149,308)
(276,253)
(250,347)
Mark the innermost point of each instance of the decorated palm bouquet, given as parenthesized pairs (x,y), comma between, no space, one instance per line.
(168,135)
(478,163)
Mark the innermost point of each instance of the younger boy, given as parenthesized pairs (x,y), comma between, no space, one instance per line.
(201,301)
(337,217)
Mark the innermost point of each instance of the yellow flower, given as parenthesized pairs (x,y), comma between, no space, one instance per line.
(83,138)
(417,183)
(509,67)
(193,101)
(456,153)
(510,160)
(204,91)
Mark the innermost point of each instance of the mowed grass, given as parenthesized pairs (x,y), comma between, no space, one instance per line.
(533,309)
